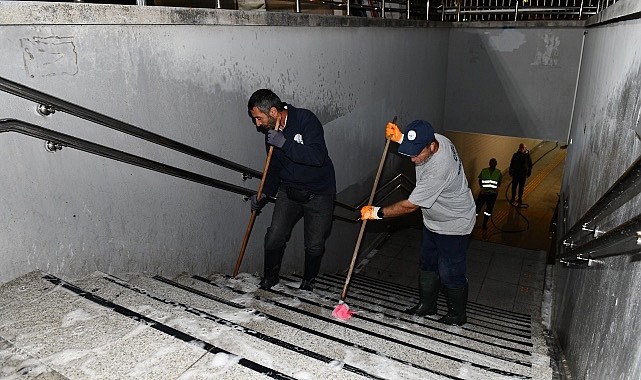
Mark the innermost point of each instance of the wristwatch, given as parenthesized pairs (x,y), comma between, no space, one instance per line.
(380,213)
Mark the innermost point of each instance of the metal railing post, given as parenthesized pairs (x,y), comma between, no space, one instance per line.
(581,10)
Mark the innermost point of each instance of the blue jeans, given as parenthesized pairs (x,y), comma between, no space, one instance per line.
(317,216)
(445,255)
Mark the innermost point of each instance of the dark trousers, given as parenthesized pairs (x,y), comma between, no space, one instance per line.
(520,183)
(488,199)
(317,218)
(445,255)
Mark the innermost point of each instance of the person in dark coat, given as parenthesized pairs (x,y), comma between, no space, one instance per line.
(520,169)
(301,176)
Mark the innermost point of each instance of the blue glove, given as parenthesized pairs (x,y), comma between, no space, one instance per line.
(275,138)
(257,205)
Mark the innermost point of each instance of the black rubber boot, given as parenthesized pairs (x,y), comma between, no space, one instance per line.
(456,303)
(270,279)
(312,266)
(428,286)
(271,269)
(485,219)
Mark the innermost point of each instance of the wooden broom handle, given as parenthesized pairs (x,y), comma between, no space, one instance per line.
(364,222)
(254,213)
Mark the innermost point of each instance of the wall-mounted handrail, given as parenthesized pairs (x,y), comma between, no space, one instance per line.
(58,140)
(625,188)
(52,104)
(64,140)
(622,240)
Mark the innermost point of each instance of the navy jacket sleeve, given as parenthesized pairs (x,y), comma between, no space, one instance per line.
(312,151)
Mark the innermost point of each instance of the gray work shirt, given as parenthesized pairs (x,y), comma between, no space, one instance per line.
(442,192)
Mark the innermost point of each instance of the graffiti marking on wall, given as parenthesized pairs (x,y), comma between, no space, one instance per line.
(49,56)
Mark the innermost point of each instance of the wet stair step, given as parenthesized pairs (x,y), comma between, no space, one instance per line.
(108,327)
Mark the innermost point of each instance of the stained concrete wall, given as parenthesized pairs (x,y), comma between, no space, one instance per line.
(596,309)
(187,75)
(512,81)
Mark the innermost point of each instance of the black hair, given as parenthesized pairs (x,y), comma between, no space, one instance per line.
(264,100)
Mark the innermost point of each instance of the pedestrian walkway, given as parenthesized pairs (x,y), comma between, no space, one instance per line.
(528,226)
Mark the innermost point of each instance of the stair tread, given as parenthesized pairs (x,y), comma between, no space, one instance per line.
(153,327)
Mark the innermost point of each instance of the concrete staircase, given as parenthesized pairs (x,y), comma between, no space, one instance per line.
(148,327)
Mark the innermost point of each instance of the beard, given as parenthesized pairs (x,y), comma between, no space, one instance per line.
(271,122)
(427,158)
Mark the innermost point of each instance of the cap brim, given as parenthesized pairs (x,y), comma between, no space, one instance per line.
(409,150)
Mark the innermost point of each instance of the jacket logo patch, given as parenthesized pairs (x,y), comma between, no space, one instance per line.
(298,138)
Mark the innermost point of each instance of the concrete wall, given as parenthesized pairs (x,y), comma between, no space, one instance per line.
(596,309)
(187,75)
(516,82)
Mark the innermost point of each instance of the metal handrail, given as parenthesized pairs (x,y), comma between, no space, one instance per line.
(49,104)
(624,239)
(624,189)
(56,141)
(398,178)
(454,9)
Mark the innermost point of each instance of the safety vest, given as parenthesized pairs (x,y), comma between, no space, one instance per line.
(490,181)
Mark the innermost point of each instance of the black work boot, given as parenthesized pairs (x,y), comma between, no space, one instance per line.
(312,266)
(270,279)
(307,285)
(271,269)
(456,303)
(428,285)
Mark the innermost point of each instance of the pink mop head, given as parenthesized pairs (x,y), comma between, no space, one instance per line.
(341,311)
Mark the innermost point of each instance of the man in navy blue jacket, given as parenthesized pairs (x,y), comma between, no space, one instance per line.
(301,176)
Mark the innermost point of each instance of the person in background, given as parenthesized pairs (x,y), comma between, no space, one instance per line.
(520,169)
(301,176)
(447,204)
(489,180)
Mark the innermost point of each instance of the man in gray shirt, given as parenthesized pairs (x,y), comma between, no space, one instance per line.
(447,204)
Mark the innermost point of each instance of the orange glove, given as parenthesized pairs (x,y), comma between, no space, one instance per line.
(369,212)
(393,133)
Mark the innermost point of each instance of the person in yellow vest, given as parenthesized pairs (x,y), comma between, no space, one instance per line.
(489,180)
